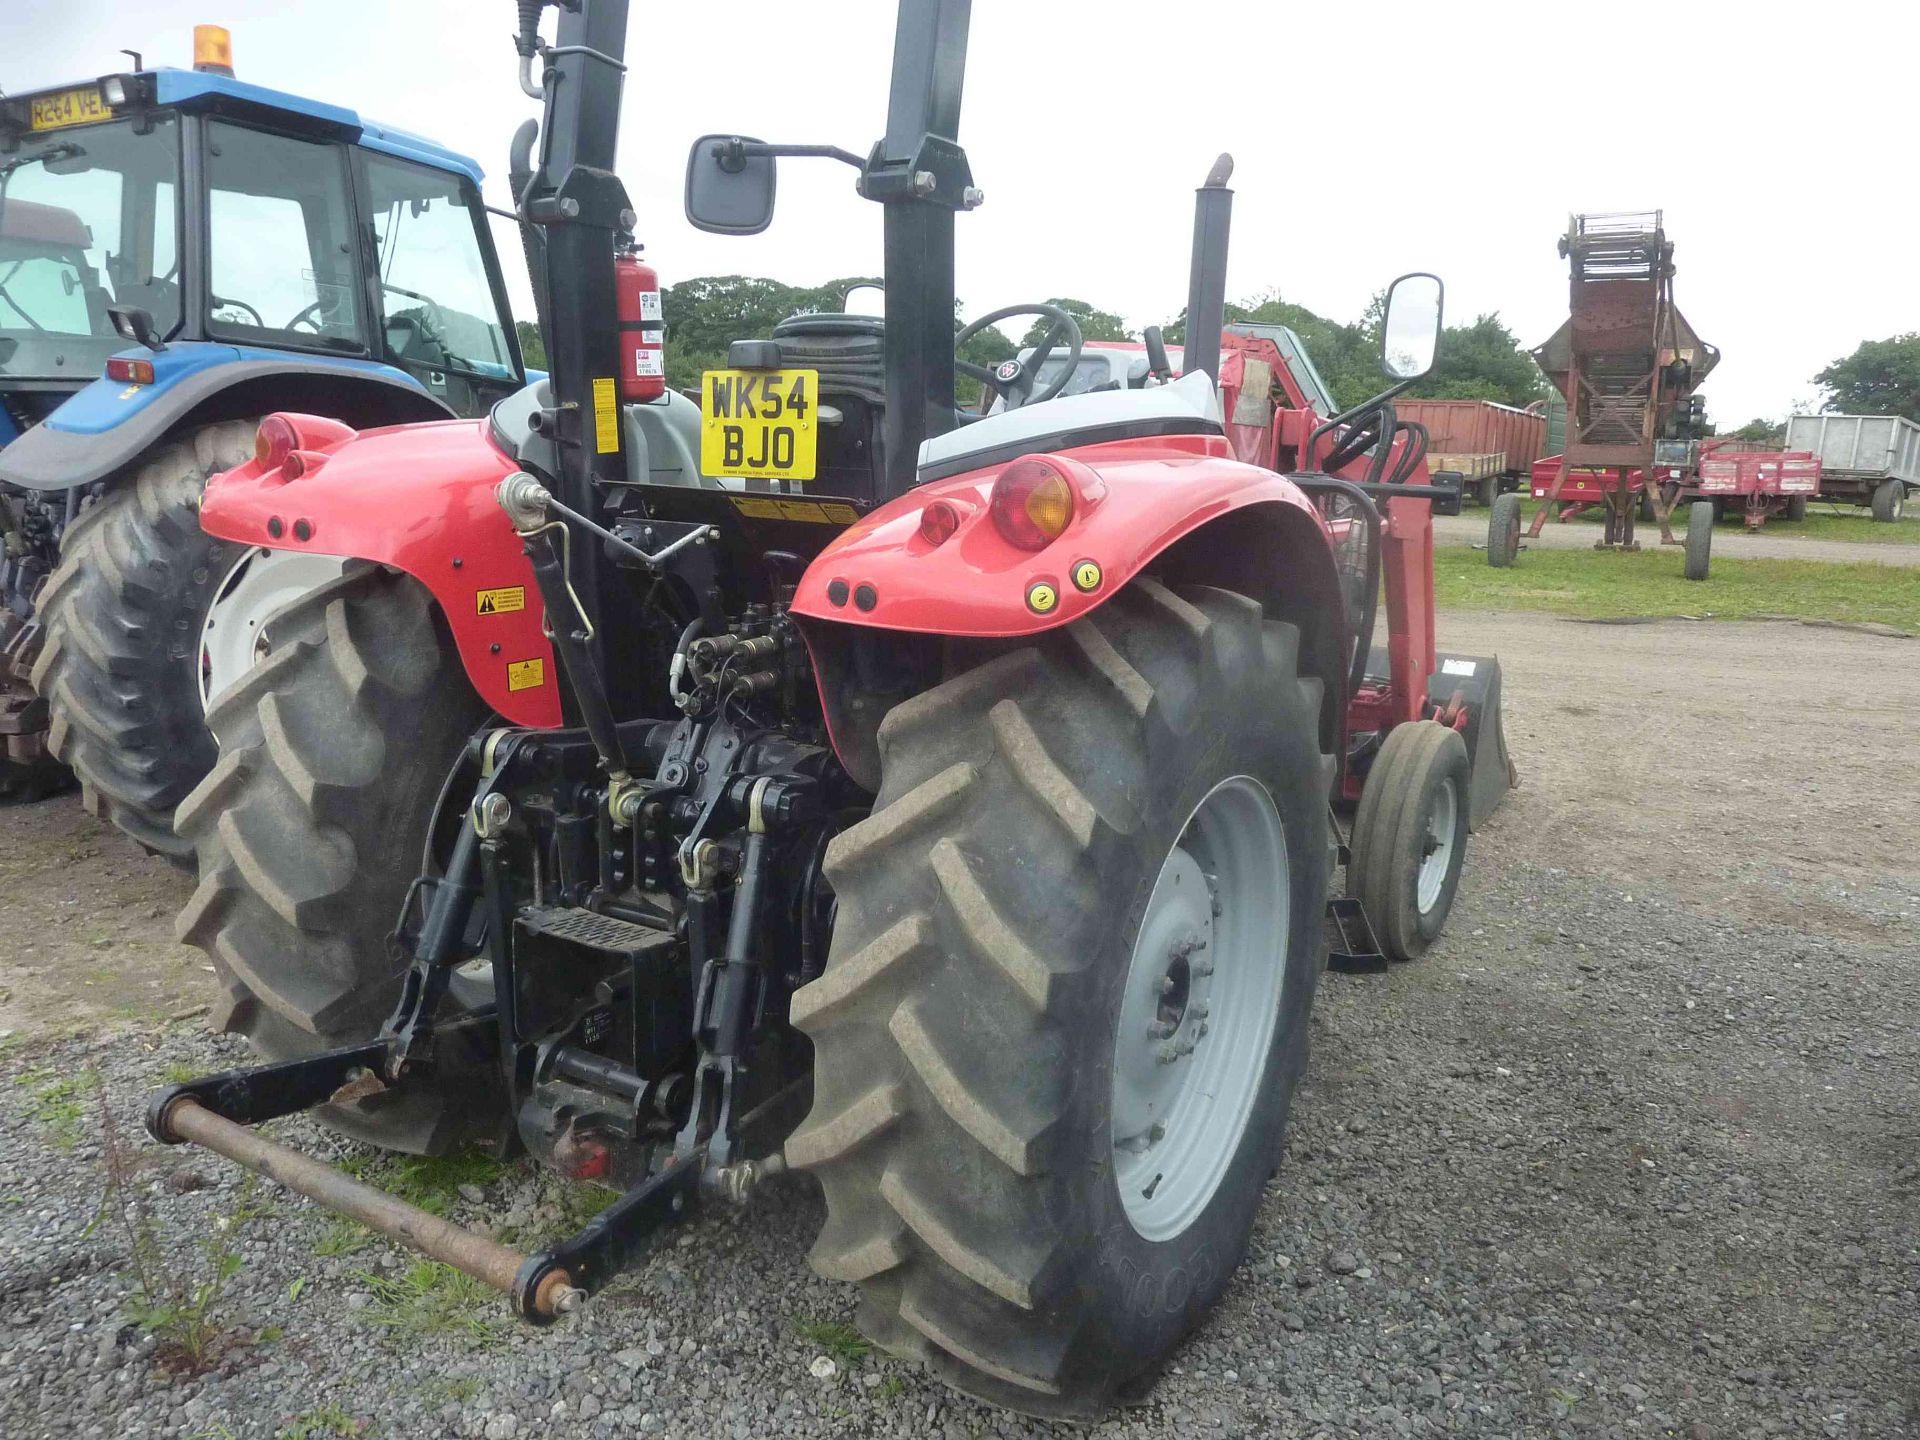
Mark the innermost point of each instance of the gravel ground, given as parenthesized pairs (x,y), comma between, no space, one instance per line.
(1634,1151)
(1730,542)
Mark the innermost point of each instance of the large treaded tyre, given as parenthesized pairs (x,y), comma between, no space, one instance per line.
(965,1025)
(1889,501)
(311,827)
(1699,554)
(1503,530)
(122,613)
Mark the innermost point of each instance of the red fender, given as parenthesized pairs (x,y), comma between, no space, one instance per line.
(1143,495)
(420,499)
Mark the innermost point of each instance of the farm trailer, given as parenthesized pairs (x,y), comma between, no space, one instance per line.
(1491,447)
(1869,460)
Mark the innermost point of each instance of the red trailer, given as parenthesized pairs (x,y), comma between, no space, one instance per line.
(1761,483)
(1491,446)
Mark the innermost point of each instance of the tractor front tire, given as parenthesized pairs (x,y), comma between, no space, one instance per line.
(1410,835)
(974,1029)
(1503,531)
(1889,501)
(1700,518)
(122,610)
(311,827)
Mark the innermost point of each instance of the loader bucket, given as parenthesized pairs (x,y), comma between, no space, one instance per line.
(1473,682)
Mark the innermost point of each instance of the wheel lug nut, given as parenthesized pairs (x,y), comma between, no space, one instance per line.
(1160,1029)
(1166,1054)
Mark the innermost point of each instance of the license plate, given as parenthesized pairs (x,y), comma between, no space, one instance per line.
(67,107)
(759,424)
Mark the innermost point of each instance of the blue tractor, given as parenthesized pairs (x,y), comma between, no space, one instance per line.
(182,253)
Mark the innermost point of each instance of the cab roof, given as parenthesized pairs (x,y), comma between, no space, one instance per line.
(203,90)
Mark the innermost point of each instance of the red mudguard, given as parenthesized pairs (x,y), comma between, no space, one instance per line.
(1133,498)
(420,499)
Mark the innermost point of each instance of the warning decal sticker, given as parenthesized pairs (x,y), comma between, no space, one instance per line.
(504,601)
(526,674)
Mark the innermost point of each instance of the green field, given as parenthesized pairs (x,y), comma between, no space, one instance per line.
(1606,585)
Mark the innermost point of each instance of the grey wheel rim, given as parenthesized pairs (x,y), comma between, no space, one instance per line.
(1441,823)
(234,636)
(1200,1006)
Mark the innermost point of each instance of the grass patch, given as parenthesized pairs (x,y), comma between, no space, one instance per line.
(342,1237)
(840,1340)
(1608,585)
(1823,522)
(430,1182)
(330,1419)
(428,1298)
(56,1102)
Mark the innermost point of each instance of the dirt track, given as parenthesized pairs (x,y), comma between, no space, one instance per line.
(1634,1151)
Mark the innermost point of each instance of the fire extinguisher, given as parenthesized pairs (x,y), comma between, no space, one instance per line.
(643,356)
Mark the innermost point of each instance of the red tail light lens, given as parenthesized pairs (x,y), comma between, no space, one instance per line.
(273,442)
(939,521)
(294,466)
(1031,504)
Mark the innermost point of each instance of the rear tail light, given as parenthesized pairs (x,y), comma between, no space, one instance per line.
(130,372)
(939,521)
(273,442)
(1031,504)
(300,462)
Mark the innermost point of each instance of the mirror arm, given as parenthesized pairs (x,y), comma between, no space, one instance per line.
(738,151)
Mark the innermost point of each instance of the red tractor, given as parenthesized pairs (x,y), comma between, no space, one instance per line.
(825,779)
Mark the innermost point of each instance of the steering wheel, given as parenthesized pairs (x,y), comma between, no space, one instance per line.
(222,304)
(431,322)
(308,316)
(1012,380)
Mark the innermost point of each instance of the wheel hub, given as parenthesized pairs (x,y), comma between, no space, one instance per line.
(1199,1007)
(237,632)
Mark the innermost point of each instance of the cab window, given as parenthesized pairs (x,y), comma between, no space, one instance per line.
(280,241)
(438,313)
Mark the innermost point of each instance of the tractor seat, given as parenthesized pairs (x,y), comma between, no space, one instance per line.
(849,351)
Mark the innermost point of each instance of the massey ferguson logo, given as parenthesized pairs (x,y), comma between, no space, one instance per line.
(1009,369)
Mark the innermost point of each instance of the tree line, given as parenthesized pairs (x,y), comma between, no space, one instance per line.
(1478,361)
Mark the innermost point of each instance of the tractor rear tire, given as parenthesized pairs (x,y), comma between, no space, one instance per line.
(1890,501)
(122,611)
(1796,507)
(1410,835)
(966,1028)
(313,824)
(1700,518)
(1503,531)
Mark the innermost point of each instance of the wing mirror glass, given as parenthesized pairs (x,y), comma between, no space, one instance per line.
(135,325)
(1410,328)
(729,188)
(865,300)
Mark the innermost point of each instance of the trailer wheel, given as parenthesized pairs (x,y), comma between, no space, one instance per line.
(123,610)
(310,828)
(1700,518)
(1796,508)
(1889,501)
(1410,835)
(1646,514)
(1503,531)
(1066,1004)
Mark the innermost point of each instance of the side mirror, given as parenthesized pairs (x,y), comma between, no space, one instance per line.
(1410,329)
(729,189)
(1158,366)
(133,324)
(865,300)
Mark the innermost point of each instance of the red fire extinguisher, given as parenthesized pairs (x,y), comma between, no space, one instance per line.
(643,355)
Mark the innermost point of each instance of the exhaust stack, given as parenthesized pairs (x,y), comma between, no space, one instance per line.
(1207,282)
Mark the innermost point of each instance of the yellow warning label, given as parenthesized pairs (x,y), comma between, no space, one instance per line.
(606,421)
(812,512)
(1086,575)
(526,674)
(501,602)
(1042,597)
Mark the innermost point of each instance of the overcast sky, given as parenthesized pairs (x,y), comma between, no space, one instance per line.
(1368,140)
